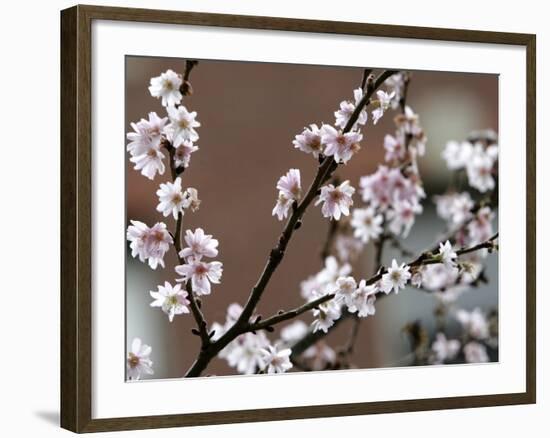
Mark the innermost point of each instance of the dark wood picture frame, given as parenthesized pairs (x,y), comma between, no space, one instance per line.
(76,226)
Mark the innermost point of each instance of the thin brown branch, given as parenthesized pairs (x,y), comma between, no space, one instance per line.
(403,98)
(284,316)
(348,351)
(202,326)
(329,241)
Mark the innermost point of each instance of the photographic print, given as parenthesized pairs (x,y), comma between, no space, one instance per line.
(303,218)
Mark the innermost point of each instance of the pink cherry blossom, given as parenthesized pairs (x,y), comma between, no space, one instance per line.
(199,245)
(336,200)
(339,145)
(309,141)
(201,274)
(149,243)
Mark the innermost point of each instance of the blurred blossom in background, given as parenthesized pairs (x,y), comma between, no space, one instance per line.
(250,113)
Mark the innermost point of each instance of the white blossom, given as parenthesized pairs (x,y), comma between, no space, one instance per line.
(293,332)
(147,134)
(480,228)
(408,121)
(346,110)
(363,300)
(469,271)
(480,172)
(346,286)
(282,207)
(182,153)
(336,200)
(456,154)
(437,277)
(395,148)
(388,186)
(339,145)
(366,224)
(309,141)
(149,243)
(290,185)
(171,299)
(167,87)
(319,356)
(324,281)
(474,352)
(199,245)
(150,161)
(474,323)
(201,274)
(444,349)
(402,216)
(455,208)
(395,278)
(325,314)
(138,361)
(246,352)
(384,101)
(275,359)
(396,83)
(448,256)
(172,200)
(182,125)
(348,248)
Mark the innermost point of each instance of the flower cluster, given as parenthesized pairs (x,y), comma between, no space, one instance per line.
(476,337)
(355,297)
(478,158)
(449,278)
(393,193)
(317,357)
(200,273)
(151,142)
(173,200)
(391,200)
(251,353)
(177,130)
(149,244)
(340,142)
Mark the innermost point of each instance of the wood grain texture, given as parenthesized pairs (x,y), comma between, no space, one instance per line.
(76,225)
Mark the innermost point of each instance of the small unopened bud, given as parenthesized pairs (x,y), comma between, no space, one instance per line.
(370,80)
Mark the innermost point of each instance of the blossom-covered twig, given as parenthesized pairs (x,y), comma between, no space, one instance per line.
(202,326)
(425,258)
(324,172)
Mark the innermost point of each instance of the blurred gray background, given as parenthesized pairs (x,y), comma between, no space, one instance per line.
(250,113)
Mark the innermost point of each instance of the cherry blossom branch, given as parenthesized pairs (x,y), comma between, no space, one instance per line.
(324,172)
(327,167)
(425,258)
(175,172)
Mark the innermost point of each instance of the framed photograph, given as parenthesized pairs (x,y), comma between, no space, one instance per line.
(268,219)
